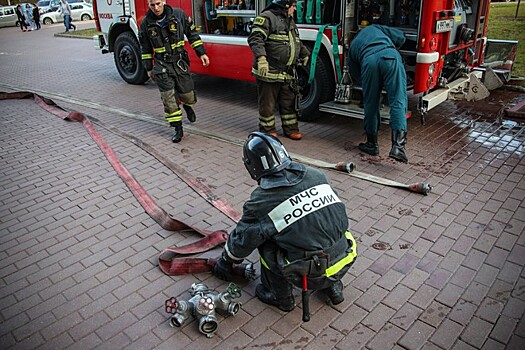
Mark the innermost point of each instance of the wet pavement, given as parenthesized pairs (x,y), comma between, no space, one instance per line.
(78,254)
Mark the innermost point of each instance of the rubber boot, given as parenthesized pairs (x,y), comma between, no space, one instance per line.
(399,140)
(371,146)
(285,304)
(335,293)
(177,135)
(190,113)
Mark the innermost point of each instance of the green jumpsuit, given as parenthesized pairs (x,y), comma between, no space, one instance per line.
(374,60)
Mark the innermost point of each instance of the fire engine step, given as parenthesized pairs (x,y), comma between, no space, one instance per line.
(351,110)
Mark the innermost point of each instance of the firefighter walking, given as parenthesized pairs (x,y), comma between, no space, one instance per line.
(161,37)
(375,61)
(277,51)
(296,221)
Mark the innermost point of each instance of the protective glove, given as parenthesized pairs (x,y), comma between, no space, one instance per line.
(262,66)
(223,269)
(303,61)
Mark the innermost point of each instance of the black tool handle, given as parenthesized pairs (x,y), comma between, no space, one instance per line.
(306,300)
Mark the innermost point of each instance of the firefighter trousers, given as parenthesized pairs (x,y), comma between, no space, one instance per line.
(271,95)
(174,82)
(384,69)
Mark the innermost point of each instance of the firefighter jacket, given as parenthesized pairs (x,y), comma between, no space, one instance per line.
(305,217)
(163,40)
(276,36)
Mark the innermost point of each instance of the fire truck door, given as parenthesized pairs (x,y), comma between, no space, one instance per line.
(110,10)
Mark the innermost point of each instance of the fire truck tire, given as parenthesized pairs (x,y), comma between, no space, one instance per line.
(128,59)
(317,92)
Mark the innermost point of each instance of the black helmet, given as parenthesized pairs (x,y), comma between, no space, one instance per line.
(264,155)
(284,3)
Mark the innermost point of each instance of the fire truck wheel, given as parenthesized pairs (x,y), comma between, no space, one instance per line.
(319,91)
(128,59)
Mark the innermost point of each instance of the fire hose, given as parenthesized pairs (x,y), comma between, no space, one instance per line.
(169,260)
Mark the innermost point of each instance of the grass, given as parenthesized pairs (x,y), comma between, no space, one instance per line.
(503,25)
(85,32)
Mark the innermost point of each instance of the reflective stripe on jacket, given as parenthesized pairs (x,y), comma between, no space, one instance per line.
(305,217)
(276,37)
(165,42)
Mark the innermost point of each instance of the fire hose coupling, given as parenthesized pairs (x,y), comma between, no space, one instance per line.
(346,167)
(203,304)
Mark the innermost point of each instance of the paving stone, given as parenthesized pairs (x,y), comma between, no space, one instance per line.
(79,254)
(477,332)
(416,336)
(446,334)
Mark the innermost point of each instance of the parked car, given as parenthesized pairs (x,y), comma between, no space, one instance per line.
(79,12)
(8,17)
(53,5)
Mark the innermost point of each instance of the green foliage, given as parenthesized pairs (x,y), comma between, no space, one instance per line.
(503,24)
(84,32)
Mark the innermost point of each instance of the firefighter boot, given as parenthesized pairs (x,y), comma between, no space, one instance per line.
(399,140)
(177,135)
(335,293)
(285,304)
(190,113)
(370,147)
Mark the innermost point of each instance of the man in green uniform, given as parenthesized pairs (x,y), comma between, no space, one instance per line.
(375,61)
(161,37)
(296,221)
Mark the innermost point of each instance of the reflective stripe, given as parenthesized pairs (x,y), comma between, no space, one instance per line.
(179,44)
(160,49)
(274,76)
(335,268)
(233,257)
(261,31)
(263,263)
(195,43)
(289,119)
(147,56)
(277,37)
(174,117)
(291,59)
(302,204)
(267,121)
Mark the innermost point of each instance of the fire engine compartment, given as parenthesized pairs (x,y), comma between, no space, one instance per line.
(457,25)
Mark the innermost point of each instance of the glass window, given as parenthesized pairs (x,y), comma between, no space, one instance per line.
(9,11)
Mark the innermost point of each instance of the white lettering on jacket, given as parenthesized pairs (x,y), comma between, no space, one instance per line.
(302,204)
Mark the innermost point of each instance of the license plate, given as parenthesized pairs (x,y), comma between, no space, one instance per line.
(444,25)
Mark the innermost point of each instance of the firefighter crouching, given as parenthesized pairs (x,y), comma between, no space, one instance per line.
(296,221)
(277,50)
(161,37)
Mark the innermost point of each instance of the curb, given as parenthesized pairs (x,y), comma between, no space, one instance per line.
(65,35)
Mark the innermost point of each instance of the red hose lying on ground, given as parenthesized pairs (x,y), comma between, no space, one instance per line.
(169,262)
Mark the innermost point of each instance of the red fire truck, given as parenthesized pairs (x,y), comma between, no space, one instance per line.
(445,46)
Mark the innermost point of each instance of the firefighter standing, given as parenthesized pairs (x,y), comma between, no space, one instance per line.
(161,38)
(296,221)
(375,61)
(277,50)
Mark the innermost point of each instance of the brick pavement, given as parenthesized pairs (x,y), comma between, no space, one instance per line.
(78,253)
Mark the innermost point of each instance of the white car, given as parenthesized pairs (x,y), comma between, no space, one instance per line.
(79,12)
(8,16)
